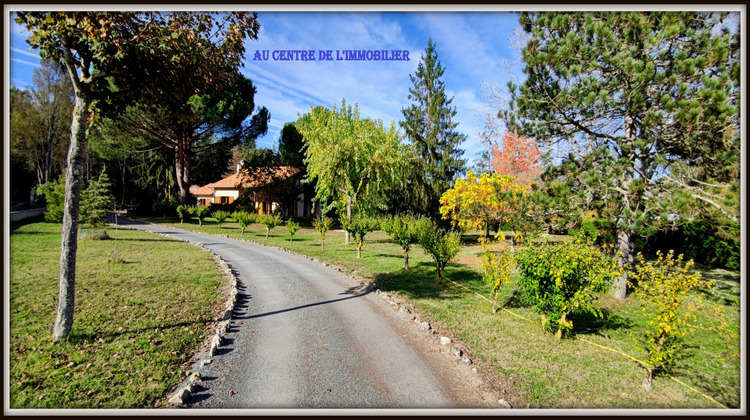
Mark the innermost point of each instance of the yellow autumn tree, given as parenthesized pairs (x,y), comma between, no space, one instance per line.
(476,202)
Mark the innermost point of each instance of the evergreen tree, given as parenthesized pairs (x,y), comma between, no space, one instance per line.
(96,199)
(429,128)
(630,101)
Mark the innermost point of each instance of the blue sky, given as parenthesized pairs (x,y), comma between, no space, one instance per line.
(473,47)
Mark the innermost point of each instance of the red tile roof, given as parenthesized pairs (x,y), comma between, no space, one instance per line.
(258,178)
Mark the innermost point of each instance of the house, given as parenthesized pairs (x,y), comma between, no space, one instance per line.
(268,186)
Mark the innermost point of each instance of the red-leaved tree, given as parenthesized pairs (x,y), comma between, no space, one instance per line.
(518,157)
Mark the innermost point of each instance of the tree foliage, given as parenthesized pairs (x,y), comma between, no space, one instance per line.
(475,203)
(662,286)
(429,128)
(563,277)
(403,230)
(639,112)
(96,200)
(115,59)
(54,195)
(358,226)
(40,121)
(322,225)
(441,244)
(354,161)
(517,157)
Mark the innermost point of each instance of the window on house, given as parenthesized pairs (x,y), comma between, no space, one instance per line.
(224,200)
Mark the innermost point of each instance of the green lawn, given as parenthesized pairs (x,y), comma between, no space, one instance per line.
(144,303)
(568,373)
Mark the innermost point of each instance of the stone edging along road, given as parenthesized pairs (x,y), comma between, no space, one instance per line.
(322,355)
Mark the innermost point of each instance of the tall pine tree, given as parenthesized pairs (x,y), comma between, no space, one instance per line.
(429,127)
(641,111)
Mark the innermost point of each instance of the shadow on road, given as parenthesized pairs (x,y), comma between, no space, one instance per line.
(310,305)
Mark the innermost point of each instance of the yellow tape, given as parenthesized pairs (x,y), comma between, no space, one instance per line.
(601,346)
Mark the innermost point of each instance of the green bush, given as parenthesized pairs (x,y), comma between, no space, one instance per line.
(600,231)
(292,227)
(270,221)
(358,227)
(162,208)
(200,212)
(563,277)
(182,211)
(220,216)
(401,229)
(700,241)
(441,244)
(54,194)
(244,219)
(322,225)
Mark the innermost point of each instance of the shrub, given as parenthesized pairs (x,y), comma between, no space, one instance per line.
(563,277)
(441,244)
(661,287)
(322,225)
(270,221)
(497,268)
(401,229)
(699,240)
(54,194)
(162,208)
(244,219)
(220,216)
(182,211)
(600,231)
(201,212)
(358,227)
(292,227)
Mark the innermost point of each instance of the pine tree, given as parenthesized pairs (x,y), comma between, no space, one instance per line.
(428,126)
(628,101)
(96,199)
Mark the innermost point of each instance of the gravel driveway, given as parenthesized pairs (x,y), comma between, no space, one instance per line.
(304,335)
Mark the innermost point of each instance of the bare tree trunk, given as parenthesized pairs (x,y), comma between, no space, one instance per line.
(182,169)
(406,259)
(348,216)
(69,243)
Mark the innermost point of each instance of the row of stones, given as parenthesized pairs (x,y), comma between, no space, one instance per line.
(184,392)
(182,396)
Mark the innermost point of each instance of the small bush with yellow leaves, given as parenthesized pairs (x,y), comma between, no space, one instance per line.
(662,287)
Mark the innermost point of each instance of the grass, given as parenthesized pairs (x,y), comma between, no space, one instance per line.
(568,373)
(140,314)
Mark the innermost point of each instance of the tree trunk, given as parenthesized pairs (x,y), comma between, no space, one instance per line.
(348,216)
(69,243)
(359,251)
(623,222)
(406,259)
(624,246)
(182,169)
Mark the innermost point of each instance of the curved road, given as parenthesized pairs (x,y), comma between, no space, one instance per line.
(304,335)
